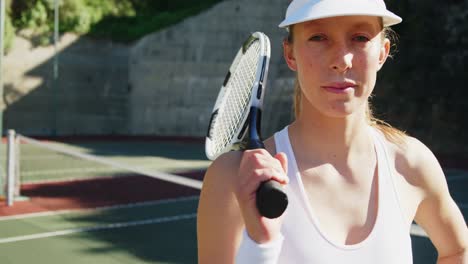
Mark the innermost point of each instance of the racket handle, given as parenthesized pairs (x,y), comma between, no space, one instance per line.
(271,199)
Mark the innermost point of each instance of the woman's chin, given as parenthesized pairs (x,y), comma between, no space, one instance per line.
(341,110)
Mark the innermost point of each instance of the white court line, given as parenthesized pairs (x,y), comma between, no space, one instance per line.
(65,171)
(113,174)
(75,179)
(415,229)
(99,209)
(108,169)
(98,228)
(418,231)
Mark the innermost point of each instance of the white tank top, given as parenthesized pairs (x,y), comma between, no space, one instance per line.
(389,242)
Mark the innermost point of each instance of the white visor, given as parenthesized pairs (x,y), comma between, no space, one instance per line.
(306,10)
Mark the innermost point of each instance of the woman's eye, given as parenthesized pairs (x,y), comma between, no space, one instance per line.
(361,38)
(317,38)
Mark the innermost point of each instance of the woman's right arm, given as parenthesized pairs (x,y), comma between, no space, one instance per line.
(227,203)
(219,221)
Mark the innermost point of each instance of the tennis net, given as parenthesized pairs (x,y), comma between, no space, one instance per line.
(39,162)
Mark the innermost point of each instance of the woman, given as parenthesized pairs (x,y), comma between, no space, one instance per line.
(354,184)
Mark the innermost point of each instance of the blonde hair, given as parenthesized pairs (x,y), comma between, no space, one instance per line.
(392,134)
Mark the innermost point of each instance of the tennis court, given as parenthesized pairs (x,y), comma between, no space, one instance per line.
(82,210)
(79,208)
(155,232)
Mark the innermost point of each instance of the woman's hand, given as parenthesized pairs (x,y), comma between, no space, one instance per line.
(257,166)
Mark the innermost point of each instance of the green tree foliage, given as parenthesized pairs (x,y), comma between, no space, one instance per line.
(120,20)
(9,32)
(149,16)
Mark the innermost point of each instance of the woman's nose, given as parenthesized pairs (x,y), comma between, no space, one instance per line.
(341,58)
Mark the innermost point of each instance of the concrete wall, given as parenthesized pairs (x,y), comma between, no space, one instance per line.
(163,85)
(175,74)
(89,98)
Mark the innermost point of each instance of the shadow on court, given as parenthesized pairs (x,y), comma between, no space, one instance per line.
(162,233)
(165,242)
(160,243)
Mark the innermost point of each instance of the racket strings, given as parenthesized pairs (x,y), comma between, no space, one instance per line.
(237,98)
(240,92)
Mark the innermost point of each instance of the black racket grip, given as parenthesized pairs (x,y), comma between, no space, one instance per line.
(271,199)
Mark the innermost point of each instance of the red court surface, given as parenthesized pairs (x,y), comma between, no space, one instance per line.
(92,193)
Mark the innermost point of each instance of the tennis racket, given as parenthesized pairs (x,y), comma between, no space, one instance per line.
(235,120)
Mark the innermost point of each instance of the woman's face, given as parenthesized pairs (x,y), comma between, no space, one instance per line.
(337,60)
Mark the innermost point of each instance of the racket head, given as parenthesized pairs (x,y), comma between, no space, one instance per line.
(242,88)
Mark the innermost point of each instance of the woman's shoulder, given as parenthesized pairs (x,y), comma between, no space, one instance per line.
(410,152)
(415,161)
(224,167)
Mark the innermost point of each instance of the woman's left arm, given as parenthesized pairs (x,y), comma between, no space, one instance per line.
(437,213)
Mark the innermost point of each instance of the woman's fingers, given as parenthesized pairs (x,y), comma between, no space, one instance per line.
(283,159)
(259,166)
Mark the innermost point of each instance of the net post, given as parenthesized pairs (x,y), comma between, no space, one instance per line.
(17,166)
(11,167)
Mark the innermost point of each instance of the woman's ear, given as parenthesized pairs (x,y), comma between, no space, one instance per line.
(384,52)
(288,53)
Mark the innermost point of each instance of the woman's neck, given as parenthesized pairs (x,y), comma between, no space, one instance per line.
(331,137)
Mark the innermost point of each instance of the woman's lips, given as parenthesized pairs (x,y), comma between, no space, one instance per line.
(340,88)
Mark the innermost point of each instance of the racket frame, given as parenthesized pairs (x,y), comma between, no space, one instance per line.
(240,140)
